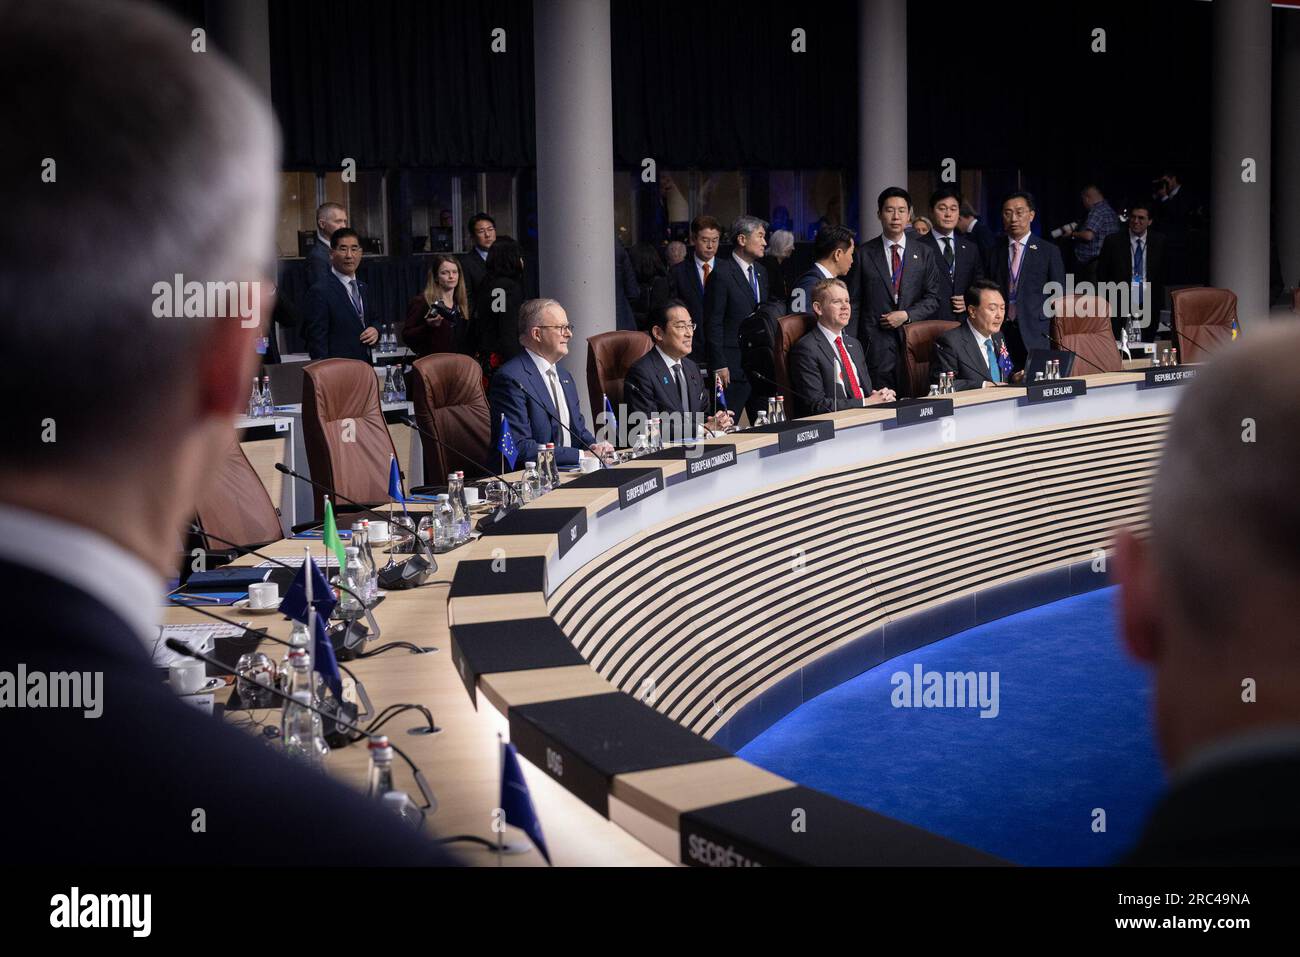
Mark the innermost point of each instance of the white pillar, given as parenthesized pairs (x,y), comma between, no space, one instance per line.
(575,168)
(882,103)
(1241,59)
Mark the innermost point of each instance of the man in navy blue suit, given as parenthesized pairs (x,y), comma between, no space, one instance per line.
(1024,265)
(832,259)
(532,391)
(330,217)
(976,230)
(688,279)
(735,290)
(893,281)
(338,323)
(959,259)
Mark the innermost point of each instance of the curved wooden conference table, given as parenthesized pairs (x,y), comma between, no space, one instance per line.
(632,629)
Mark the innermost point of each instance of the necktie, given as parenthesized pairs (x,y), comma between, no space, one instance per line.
(949,256)
(894,262)
(679,381)
(1014,279)
(706,269)
(354,292)
(1138,269)
(994,372)
(753,281)
(561,409)
(850,376)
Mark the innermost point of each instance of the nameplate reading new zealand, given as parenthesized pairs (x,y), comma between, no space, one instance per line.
(1168,375)
(1055,390)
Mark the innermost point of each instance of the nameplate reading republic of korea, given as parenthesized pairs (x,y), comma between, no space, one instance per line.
(1157,376)
(1055,390)
(909,411)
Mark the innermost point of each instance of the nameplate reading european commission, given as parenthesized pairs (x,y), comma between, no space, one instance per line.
(699,459)
(1158,376)
(1055,390)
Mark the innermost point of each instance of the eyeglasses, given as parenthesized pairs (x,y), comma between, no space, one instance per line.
(570,328)
(683,327)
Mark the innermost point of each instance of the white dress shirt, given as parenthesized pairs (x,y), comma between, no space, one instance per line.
(562,410)
(826,273)
(88,562)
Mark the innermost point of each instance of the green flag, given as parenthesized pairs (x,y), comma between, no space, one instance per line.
(332,540)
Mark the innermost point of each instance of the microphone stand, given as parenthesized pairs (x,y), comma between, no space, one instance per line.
(506,494)
(281,467)
(562,427)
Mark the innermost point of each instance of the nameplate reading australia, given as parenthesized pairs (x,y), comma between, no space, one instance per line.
(644,484)
(800,432)
(909,412)
(1055,390)
(1157,376)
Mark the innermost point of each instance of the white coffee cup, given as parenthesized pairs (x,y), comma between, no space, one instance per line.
(378,531)
(263,595)
(188,676)
(589,463)
(471,495)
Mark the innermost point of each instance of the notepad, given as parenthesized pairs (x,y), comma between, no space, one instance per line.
(226,578)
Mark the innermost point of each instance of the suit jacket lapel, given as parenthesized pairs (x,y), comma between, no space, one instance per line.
(876,253)
(829,351)
(664,383)
(973,354)
(537,385)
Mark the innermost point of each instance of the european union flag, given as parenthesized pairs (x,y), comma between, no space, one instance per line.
(1005,365)
(611,423)
(719,395)
(324,660)
(517,803)
(507,443)
(295,605)
(395,481)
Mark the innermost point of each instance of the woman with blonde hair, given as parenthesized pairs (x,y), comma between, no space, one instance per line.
(437,320)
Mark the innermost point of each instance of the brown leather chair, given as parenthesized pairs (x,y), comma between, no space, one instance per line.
(343,428)
(609,356)
(918,353)
(790,329)
(1082,325)
(235,505)
(447,392)
(1202,318)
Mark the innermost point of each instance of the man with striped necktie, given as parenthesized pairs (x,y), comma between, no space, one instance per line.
(338,323)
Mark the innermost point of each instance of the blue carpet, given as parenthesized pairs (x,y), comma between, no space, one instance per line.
(1073,733)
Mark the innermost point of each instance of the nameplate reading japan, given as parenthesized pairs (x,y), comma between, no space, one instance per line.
(629,493)
(922,410)
(1168,375)
(1055,390)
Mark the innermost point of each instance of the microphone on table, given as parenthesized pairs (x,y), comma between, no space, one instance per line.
(1063,348)
(556,419)
(347,636)
(504,509)
(835,400)
(181,648)
(412,573)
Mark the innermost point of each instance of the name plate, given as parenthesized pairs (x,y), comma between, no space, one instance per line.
(1158,376)
(629,493)
(912,411)
(634,482)
(1055,390)
(713,457)
(798,433)
(571,532)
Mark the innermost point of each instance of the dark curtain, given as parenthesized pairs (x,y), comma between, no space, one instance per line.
(717,86)
(395,84)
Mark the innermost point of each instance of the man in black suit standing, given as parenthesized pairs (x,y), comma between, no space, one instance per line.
(482,230)
(976,352)
(833,252)
(1135,257)
(338,323)
(976,230)
(665,382)
(689,279)
(329,217)
(1031,274)
(91,515)
(828,367)
(736,287)
(959,259)
(894,281)
(1209,596)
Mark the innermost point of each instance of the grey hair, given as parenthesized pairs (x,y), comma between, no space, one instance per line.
(165,164)
(782,244)
(323,208)
(532,312)
(745,225)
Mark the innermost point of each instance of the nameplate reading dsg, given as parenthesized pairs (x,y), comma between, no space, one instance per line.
(1055,390)
(804,433)
(925,410)
(638,488)
(713,457)
(1158,376)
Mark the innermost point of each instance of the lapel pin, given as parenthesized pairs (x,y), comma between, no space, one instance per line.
(1033,246)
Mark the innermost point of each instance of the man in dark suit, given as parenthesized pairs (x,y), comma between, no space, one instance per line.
(338,323)
(828,367)
(894,281)
(665,382)
(833,258)
(1135,257)
(118,771)
(976,230)
(329,217)
(976,352)
(1031,274)
(735,289)
(958,258)
(531,391)
(482,230)
(689,278)
(1209,595)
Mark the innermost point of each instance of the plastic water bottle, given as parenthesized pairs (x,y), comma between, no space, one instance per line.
(380,778)
(656,434)
(532,482)
(459,514)
(255,401)
(353,578)
(544,467)
(301,728)
(444,524)
(780,408)
(267,403)
(552,466)
(399,380)
(361,541)
(466,525)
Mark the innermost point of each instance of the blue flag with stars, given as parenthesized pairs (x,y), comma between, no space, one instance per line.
(611,423)
(294,605)
(517,803)
(507,444)
(395,481)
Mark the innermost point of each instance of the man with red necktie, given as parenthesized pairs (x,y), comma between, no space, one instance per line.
(828,368)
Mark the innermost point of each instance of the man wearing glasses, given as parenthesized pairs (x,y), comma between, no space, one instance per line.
(665,382)
(1023,265)
(536,396)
